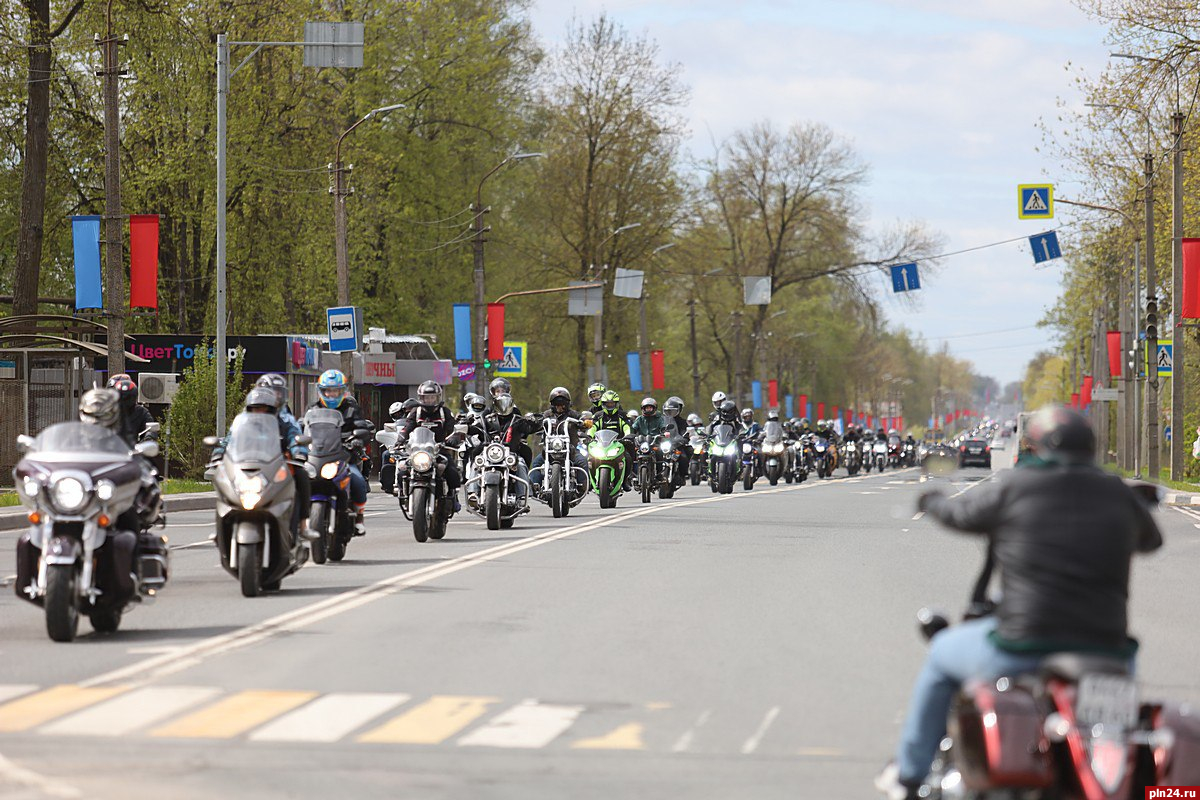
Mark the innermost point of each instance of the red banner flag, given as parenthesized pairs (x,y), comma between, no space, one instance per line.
(1191,279)
(849,417)
(772,394)
(1085,393)
(1074,399)
(143,261)
(820,411)
(949,420)
(802,409)
(495,331)
(901,421)
(1114,354)
(658,371)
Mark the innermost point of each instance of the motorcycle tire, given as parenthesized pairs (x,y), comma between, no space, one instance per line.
(422,514)
(724,478)
(105,620)
(336,549)
(505,524)
(773,481)
(62,602)
(317,520)
(747,478)
(441,519)
(604,488)
(645,484)
(666,490)
(491,505)
(694,474)
(250,569)
(788,478)
(557,492)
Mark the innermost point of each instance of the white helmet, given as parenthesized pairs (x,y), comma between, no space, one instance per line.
(718,398)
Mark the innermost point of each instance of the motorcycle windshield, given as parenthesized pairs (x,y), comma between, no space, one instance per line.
(74,441)
(723,435)
(773,432)
(253,438)
(324,425)
(606,437)
(422,439)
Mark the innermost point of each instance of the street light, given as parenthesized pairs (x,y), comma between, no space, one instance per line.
(598,329)
(340,192)
(480,355)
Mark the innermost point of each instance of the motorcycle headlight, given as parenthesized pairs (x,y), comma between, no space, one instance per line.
(422,461)
(252,485)
(69,494)
(105,489)
(329,471)
(644,447)
(32,487)
(558,444)
(250,499)
(665,447)
(746,448)
(495,452)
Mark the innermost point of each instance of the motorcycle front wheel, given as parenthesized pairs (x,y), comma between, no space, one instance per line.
(491,505)
(747,477)
(422,513)
(604,488)
(62,602)
(318,518)
(557,494)
(250,569)
(644,482)
(338,536)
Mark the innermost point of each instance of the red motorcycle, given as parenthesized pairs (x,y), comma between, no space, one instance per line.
(1075,730)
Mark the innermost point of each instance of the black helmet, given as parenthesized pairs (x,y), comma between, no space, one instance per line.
(262,397)
(673,406)
(100,407)
(728,411)
(126,390)
(499,386)
(275,381)
(429,394)
(560,396)
(1062,435)
(502,404)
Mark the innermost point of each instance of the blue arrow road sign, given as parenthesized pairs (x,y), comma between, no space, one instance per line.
(1045,246)
(342,324)
(905,278)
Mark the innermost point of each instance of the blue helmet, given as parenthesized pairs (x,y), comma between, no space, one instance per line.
(332,388)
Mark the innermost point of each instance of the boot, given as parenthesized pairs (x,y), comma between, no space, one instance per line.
(360,528)
(307,533)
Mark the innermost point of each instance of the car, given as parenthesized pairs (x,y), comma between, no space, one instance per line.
(975,452)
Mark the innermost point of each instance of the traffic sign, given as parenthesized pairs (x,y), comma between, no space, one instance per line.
(1100,394)
(515,362)
(1035,201)
(343,325)
(905,278)
(1164,357)
(466,372)
(1045,247)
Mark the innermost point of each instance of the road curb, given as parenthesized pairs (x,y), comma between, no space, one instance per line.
(1181,499)
(191,501)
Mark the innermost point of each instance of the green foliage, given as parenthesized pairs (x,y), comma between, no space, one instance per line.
(193,413)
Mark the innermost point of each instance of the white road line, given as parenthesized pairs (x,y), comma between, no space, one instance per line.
(18,774)
(329,718)
(685,741)
(752,743)
(9,691)
(126,713)
(529,725)
(918,515)
(205,543)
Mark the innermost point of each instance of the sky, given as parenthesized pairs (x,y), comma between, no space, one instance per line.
(941,98)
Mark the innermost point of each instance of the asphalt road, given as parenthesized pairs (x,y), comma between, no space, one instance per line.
(758,645)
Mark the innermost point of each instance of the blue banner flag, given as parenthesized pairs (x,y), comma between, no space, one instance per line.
(634,362)
(85,230)
(756,392)
(808,409)
(789,402)
(462,332)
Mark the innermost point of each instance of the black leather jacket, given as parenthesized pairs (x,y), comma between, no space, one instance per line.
(1063,539)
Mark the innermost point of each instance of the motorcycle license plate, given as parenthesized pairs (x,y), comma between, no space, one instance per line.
(1108,700)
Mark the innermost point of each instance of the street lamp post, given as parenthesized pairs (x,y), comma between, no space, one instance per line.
(340,192)
(643,337)
(480,305)
(598,329)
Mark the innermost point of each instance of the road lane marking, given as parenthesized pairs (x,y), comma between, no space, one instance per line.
(623,737)
(685,741)
(432,722)
(14,773)
(529,725)
(131,711)
(234,715)
(752,743)
(329,718)
(57,701)
(918,515)
(9,691)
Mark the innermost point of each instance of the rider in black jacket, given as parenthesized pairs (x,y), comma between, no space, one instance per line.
(134,417)
(433,414)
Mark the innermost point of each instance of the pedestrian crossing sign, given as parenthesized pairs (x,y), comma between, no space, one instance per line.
(513,364)
(1164,359)
(1035,201)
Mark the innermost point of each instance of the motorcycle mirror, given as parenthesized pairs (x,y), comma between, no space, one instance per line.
(147,449)
(211,441)
(363,435)
(152,428)
(931,622)
(386,438)
(304,439)
(24,442)
(208,474)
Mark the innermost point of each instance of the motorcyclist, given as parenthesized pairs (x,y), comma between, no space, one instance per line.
(853,434)
(803,427)
(474,405)
(433,414)
(134,416)
(1063,533)
(500,386)
(594,393)
(673,411)
(650,423)
(717,399)
(504,425)
(289,429)
(612,418)
(560,409)
(332,392)
(750,428)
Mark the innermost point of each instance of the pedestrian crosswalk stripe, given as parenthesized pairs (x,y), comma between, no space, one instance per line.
(15,690)
(527,725)
(625,737)
(35,709)
(432,722)
(328,718)
(233,715)
(132,711)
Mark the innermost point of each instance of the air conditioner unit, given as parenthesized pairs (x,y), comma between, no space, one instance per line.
(157,387)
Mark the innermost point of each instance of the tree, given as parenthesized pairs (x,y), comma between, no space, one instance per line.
(193,413)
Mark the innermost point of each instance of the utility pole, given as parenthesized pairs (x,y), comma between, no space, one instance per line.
(737,357)
(1151,328)
(114,274)
(478,210)
(340,192)
(695,357)
(1178,439)
(643,342)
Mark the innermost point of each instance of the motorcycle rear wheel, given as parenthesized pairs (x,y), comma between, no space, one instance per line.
(62,602)
(105,620)
(250,569)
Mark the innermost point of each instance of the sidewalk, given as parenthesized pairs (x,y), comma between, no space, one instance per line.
(14,518)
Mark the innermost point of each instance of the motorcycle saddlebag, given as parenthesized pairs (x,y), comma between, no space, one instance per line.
(1182,761)
(998,738)
(114,565)
(27,565)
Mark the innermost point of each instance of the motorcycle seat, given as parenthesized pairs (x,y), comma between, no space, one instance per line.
(1073,666)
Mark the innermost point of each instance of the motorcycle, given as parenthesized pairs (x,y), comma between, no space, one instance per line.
(698,468)
(1074,729)
(879,454)
(256,512)
(802,458)
(750,463)
(822,459)
(606,466)
(646,465)
(77,481)
(895,452)
(425,499)
(565,484)
(498,482)
(909,456)
(329,457)
(775,454)
(669,453)
(724,458)
(852,458)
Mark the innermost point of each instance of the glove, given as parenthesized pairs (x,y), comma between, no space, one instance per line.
(927,499)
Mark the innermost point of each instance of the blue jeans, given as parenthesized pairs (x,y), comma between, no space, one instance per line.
(956,655)
(358,486)
(537,473)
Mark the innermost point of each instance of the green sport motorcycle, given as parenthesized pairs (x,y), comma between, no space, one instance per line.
(606,466)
